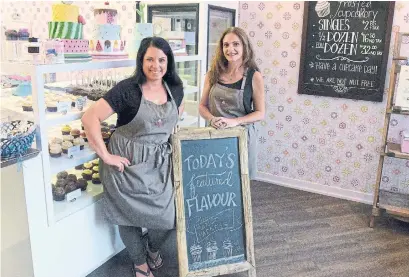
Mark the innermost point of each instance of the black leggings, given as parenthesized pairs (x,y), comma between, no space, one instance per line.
(135,245)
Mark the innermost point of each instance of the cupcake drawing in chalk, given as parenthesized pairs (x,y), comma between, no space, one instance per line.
(227,248)
(211,249)
(322,8)
(196,252)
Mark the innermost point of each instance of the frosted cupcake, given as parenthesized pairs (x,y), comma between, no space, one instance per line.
(80,142)
(196,252)
(211,249)
(55,150)
(65,146)
(322,8)
(227,248)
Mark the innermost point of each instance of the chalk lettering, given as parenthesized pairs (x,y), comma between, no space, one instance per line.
(205,202)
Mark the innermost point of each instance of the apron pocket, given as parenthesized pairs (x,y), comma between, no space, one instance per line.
(145,178)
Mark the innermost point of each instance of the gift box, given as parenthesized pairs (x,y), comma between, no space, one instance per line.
(405,142)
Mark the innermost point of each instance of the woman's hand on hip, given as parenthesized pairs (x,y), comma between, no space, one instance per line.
(117,161)
(228,122)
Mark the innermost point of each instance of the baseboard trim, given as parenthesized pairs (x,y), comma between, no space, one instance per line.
(356,196)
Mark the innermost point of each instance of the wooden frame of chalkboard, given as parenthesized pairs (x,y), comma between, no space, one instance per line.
(345,47)
(213,202)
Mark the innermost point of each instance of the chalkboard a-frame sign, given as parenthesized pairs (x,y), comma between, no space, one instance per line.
(213,202)
(345,46)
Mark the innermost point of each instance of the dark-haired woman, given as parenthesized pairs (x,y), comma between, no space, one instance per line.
(136,168)
(233,92)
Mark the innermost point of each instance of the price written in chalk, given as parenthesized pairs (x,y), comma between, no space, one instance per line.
(370,25)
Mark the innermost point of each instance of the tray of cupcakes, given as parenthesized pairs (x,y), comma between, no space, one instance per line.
(71,136)
(84,178)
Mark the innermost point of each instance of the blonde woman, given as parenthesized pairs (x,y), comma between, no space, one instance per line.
(233,92)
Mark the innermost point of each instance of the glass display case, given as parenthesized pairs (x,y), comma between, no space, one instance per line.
(219,19)
(60,95)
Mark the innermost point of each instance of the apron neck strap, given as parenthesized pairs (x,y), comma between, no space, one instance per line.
(169,91)
(243,84)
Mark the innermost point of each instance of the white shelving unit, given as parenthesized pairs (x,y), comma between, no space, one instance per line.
(50,123)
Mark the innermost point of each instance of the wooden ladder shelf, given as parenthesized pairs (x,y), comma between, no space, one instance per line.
(393,203)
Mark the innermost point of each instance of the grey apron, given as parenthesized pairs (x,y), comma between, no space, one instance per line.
(228,102)
(142,195)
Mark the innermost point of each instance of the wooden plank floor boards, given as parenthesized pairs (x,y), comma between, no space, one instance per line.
(301,234)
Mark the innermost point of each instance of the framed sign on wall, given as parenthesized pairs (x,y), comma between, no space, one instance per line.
(345,46)
(213,202)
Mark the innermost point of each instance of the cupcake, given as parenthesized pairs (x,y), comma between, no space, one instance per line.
(65,146)
(11,35)
(68,138)
(52,107)
(72,177)
(84,136)
(322,8)
(27,106)
(23,34)
(55,150)
(80,142)
(95,169)
(87,174)
(57,140)
(104,129)
(95,162)
(88,165)
(62,175)
(75,133)
(95,178)
(66,130)
(82,184)
(70,187)
(61,183)
(58,193)
(106,136)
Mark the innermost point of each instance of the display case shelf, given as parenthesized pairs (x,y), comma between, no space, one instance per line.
(62,209)
(398,110)
(85,66)
(395,203)
(394,150)
(64,162)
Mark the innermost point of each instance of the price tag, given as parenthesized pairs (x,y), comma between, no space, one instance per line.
(73,195)
(73,151)
(80,103)
(63,107)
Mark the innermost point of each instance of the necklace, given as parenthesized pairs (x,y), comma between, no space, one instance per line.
(232,74)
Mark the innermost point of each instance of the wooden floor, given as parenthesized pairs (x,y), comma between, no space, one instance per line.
(301,234)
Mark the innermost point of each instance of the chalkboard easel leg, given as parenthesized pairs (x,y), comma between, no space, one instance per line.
(252,272)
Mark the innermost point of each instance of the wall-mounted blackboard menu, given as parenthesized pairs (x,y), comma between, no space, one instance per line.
(213,204)
(345,47)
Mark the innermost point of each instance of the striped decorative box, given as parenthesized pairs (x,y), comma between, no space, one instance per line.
(65,30)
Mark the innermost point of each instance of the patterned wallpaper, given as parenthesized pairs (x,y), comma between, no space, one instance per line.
(328,141)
